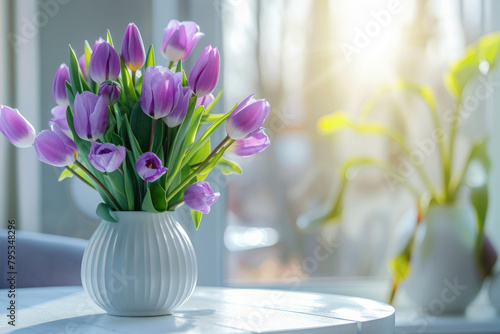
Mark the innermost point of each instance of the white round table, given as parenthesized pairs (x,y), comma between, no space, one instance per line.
(209,310)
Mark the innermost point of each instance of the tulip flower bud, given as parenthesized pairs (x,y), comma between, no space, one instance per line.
(106,157)
(59,85)
(179,39)
(59,113)
(133,53)
(255,143)
(204,100)
(205,74)
(110,92)
(247,118)
(83,67)
(149,167)
(162,92)
(55,148)
(90,116)
(16,128)
(104,63)
(200,196)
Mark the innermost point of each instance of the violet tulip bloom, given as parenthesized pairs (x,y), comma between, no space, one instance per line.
(83,67)
(205,74)
(106,157)
(90,116)
(180,109)
(133,53)
(204,100)
(59,113)
(179,39)
(59,85)
(247,118)
(149,167)
(200,196)
(110,92)
(97,43)
(162,92)
(55,148)
(104,63)
(16,128)
(255,143)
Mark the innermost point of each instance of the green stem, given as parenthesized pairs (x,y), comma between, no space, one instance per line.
(170,65)
(451,149)
(200,167)
(79,177)
(133,79)
(152,137)
(97,182)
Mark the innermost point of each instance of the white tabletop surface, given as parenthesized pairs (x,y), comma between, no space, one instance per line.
(209,310)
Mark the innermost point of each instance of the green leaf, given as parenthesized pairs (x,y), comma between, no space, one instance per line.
(158,197)
(214,102)
(108,38)
(399,266)
(128,88)
(66,174)
(141,126)
(74,71)
(195,125)
(147,203)
(88,53)
(70,94)
(105,212)
(128,185)
(211,118)
(228,167)
(134,144)
(488,47)
(150,58)
(200,155)
(196,215)
(461,72)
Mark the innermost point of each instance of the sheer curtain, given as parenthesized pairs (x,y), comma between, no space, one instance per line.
(310,59)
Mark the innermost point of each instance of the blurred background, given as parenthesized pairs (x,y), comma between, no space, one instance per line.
(308,59)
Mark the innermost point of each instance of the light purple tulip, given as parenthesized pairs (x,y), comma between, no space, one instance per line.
(59,85)
(106,157)
(55,148)
(181,105)
(149,167)
(247,118)
(83,67)
(179,39)
(97,43)
(255,143)
(204,100)
(16,128)
(110,92)
(205,74)
(104,63)
(162,92)
(59,113)
(200,196)
(90,115)
(133,53)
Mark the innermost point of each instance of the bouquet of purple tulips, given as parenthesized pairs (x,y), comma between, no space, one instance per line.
(133,131)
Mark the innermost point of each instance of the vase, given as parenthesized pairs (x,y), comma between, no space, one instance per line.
(444,276)
(494,291)
(142,265)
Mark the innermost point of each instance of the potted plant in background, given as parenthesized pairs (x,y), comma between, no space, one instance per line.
(446,246)
(141,136)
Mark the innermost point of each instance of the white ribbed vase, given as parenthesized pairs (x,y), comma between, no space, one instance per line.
(143,265)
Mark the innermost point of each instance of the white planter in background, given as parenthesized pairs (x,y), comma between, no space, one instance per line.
(444,277)
(143,265)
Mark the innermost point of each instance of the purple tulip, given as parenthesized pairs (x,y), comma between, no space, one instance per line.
(16,128)
(149,167)
(255,143)
(106,157)
(205,100)
(59,113)
(132,48)
(97,43)
(91,116)
(59,85)
(104,63)
(200,196)
(205,73)
(162,92)
(83,67)
(179,39)
(55,148)
(110,92)
(181,105)
(247,118)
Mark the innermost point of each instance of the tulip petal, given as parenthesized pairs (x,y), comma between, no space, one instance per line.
(200,196)
(251,145)
(16,128)
(51,149)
